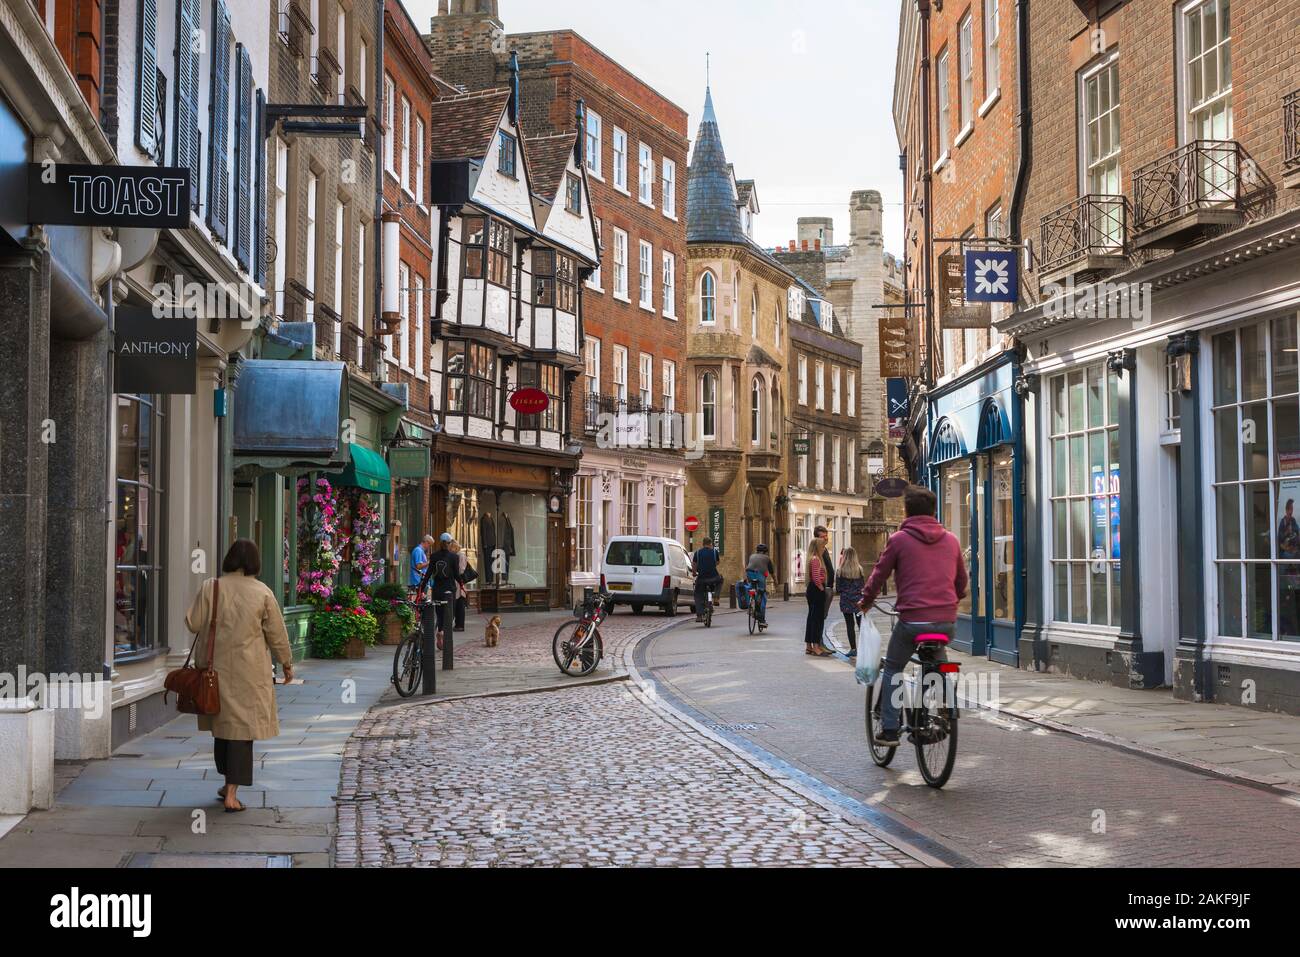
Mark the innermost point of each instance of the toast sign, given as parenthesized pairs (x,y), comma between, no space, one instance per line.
(145,197)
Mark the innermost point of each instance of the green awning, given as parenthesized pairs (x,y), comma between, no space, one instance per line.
(367,471)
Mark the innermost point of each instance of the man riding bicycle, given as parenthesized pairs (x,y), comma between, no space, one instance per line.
(704,563)
(930,579)
(757,572)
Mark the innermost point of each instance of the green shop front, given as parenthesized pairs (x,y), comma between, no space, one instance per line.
(312,484)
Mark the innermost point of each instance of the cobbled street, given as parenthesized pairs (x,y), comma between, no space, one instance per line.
(595,775)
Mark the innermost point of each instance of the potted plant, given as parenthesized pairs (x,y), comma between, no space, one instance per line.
(341,627)
(395,616)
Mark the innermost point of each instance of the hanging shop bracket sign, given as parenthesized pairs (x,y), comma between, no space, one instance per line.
(955,311)
(143,197)
(896,356)
(154,356)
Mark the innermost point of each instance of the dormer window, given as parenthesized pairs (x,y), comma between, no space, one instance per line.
(506,154)
(573,194)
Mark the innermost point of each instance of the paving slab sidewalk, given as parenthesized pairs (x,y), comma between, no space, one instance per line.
(1257,747)
(154,803)
(139,808)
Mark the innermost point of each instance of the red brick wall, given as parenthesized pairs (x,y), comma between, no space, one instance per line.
(1265,66)
(557,68)
(78,33)
(407,62)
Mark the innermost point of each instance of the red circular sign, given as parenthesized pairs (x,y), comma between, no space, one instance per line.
(691,523)
(529,401)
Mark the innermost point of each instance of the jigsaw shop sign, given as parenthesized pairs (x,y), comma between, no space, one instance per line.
(146,197)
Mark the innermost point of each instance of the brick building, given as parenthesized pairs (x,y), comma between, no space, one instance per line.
(635,340)
(1159,326)
(955,112)
(823,407)
(410,224)
(1155,201)
(740,304)
(857,278)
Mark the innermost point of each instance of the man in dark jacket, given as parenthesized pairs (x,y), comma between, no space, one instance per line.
(440,580)
(930,579)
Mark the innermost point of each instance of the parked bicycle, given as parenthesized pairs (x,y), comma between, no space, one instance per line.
(577,646)
(929,713)
(408,659)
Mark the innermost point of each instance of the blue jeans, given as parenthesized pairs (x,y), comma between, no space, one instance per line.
(902,645)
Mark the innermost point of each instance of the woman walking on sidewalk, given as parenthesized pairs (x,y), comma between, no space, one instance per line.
(821,582)
(250,629)
(849,582)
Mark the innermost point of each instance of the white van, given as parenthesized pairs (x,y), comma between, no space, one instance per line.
(640,571)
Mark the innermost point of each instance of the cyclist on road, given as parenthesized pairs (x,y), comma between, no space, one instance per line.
(704,563)
(757,572)
(930,579)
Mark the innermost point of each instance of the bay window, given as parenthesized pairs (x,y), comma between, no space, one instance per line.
(471,379)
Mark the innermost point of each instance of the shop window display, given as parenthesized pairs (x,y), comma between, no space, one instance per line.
(137,577)
(503,534)
(1256,437)
(955,481)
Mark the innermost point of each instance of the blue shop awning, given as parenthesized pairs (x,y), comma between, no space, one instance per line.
(287,413)
(367,471)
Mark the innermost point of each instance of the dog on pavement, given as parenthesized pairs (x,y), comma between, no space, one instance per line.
(492,635)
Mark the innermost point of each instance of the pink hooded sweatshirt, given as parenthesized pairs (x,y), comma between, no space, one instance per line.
(929,573)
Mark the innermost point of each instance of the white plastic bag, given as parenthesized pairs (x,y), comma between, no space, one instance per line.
(868,669)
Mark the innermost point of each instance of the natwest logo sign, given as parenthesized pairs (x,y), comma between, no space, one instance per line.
(145,197)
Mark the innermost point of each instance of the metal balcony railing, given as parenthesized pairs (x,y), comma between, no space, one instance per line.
(325,74)
(594,406)
(1095,225)
(1291,132)
(1203,175)
(295,26)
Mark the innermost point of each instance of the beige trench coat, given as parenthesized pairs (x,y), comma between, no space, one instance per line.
(250,629)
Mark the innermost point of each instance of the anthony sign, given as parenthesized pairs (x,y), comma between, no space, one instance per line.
(145,197)
(154,356)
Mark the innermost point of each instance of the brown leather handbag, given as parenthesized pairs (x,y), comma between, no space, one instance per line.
(197,690)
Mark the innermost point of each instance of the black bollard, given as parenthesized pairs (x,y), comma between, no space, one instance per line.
(448,641)
(429,647)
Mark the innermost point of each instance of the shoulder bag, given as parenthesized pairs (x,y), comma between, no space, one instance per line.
(196,689)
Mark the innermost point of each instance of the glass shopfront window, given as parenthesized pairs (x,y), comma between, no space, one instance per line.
(1002,574)
(138,545)
(954,480)
(1256,439)
(1084,491)
(503,535)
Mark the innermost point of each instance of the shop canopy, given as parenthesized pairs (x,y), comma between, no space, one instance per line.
(367,471)
(288,413)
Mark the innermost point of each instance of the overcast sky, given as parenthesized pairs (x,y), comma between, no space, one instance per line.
(803,89)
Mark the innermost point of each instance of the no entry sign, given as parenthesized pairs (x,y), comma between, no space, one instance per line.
(691,523)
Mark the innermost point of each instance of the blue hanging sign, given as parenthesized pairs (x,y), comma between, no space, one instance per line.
(896,391)
(992,275)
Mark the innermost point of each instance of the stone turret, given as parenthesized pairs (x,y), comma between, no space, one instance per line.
(866,217)
(814,228)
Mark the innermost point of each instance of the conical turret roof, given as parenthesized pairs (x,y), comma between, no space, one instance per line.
(712,213)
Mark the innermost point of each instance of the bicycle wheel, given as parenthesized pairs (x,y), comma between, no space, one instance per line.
(753,615)
(408,665)
(879,756)
(575,656)
(935,737)
(708,614)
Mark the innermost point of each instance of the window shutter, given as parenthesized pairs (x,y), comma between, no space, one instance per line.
(259,208)
(187,94)
(146,99)
(243,156)
(219,135)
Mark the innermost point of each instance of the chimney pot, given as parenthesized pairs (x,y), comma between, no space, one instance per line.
(805,245)
(817,245)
